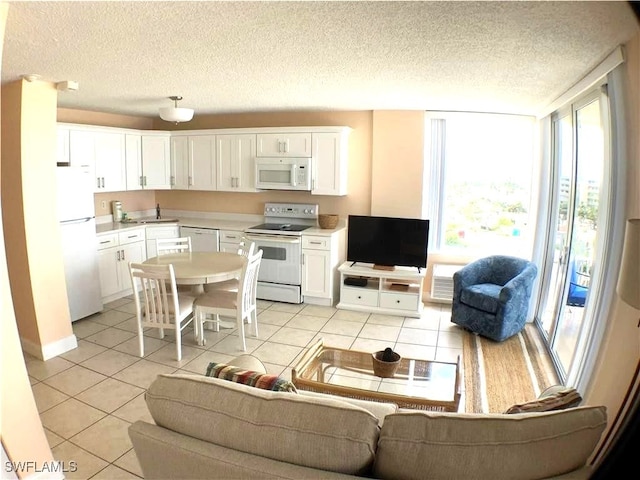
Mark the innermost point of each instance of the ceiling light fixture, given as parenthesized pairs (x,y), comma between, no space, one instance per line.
(176,114)
(31,77)
(67,86)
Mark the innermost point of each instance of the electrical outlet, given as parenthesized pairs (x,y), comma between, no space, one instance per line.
(103,204)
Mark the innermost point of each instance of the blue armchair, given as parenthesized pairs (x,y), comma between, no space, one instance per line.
(491,296)
(577,295)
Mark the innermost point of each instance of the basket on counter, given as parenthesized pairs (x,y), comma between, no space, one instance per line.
(385,369)
(327,220)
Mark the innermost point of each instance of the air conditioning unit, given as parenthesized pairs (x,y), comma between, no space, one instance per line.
(442,282)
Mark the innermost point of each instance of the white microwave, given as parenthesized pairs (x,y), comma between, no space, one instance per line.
(283,173)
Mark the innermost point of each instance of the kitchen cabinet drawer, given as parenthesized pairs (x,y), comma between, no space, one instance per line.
(163,232)
(316,243)
(399,301)
(154,233)
(130,236)
(230,236)
(359,296)
(107,240)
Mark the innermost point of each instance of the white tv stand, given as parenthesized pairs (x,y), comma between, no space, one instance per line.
(392,292)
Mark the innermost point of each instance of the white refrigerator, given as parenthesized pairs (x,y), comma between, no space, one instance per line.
(79,244)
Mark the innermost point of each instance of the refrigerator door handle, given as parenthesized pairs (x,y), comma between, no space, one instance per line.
(76,220)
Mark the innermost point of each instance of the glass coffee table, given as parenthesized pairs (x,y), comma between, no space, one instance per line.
(417,384)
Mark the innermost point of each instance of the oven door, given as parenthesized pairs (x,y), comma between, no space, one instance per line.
(281,258)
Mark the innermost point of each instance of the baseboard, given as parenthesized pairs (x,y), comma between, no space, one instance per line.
(318,301)
(50,350)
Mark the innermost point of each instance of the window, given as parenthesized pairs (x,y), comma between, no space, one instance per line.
(481,168)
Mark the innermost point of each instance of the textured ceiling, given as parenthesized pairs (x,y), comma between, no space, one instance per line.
(222,57)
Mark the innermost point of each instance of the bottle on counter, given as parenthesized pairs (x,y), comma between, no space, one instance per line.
(157,211)
(116,210)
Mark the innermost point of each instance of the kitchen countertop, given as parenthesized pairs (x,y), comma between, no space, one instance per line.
(218,224)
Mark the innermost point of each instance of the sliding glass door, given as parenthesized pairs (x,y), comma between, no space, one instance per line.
(579,162)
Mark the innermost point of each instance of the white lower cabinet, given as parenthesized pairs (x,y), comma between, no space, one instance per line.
(321,256)
(166,231)
(115,251)
(229,240)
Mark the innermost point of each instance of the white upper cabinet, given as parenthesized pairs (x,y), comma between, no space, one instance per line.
(202,162)
(214,160)
(193,162)
(148,163)
(133,160)
(330,165)
(110,167)
(180,163)
(82,148)
(102,151)
(156,161)
(62,151)
(236,162)
(284,144)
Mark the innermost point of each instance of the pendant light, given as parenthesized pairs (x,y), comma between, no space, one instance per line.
(176,114)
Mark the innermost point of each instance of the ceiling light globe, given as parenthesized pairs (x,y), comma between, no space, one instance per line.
(176,114)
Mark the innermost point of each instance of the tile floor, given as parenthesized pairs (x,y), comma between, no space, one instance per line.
(88,397)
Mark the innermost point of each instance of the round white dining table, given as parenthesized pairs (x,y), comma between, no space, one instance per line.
(199,268)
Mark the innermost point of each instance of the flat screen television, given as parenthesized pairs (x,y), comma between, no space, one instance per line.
(387,241)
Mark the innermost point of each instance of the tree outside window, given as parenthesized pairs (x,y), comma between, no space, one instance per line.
(486,184)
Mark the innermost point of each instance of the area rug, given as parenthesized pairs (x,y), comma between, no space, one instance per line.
(500,374)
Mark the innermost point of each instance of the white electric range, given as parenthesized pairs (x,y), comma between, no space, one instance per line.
(280,239)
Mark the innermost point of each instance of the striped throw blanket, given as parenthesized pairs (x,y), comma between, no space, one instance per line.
(250,378)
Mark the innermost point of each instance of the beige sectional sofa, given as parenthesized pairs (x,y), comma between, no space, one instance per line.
(212,428)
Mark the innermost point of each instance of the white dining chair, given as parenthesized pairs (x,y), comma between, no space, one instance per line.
(246,248)
(173,245)
(240,304)
(158,303)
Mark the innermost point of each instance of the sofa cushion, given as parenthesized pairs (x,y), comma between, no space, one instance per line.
(554,398)
(484,296)
(249,377)
(379,409)
(420,445)
(248,362)
(320,433)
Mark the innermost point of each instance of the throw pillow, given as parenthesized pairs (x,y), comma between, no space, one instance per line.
(250,378)
(554,398)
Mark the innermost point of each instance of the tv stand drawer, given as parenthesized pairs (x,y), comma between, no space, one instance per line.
(359,296)
(399,301)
